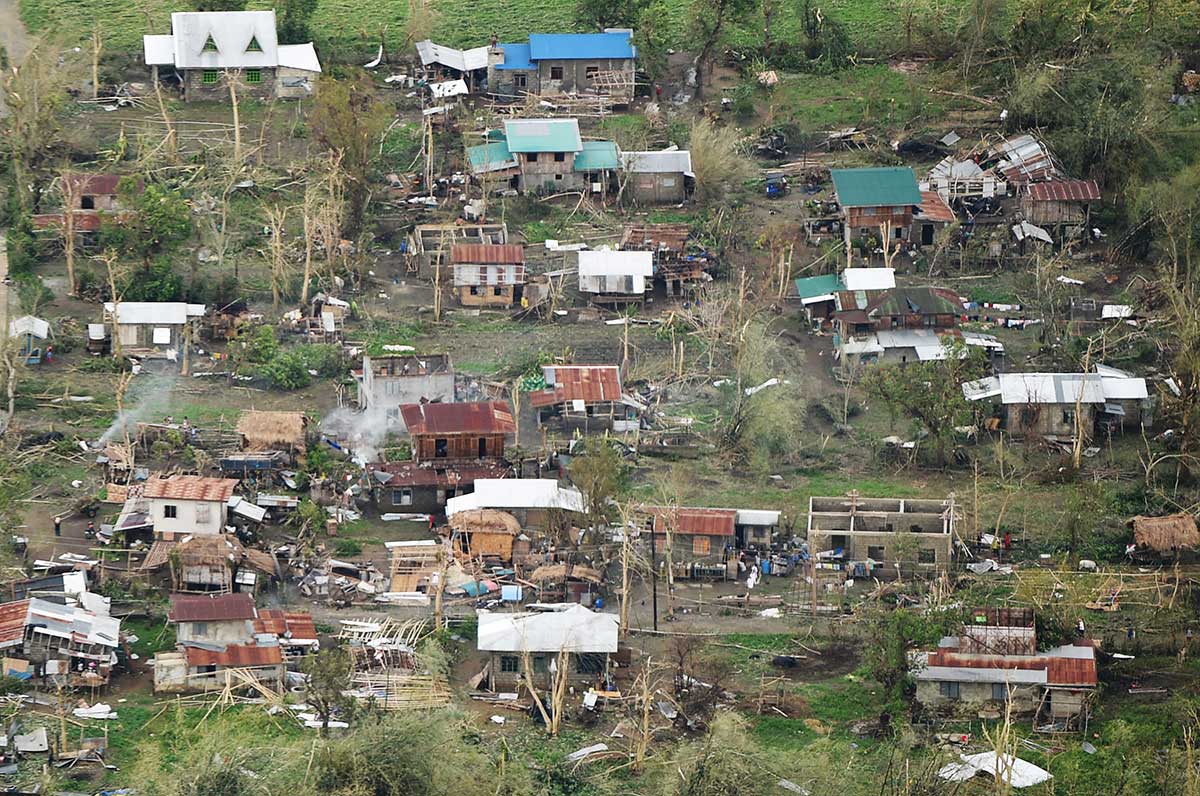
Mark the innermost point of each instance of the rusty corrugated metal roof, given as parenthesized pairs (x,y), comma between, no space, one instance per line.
(482,417)
(12,621)
(487,254)
(1065,191)
(693,521)
(211,607)
(934,208)
(235,655)
(294,625)
(190,487)
(587,383)
(1059,670)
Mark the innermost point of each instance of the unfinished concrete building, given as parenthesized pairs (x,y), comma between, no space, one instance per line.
(387,382)
(870,536)
(429,244)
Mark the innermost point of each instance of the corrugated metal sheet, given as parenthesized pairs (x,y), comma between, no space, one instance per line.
(190,487)
(934,208)
(1071,671)
(483,417)
(211,607)
(543,135)
(876,187)
(587,383)
(292,625)
(1025,159)
(235,655)
(12,622)
(1065,191)
(401,474)
(693,521)
(488,253)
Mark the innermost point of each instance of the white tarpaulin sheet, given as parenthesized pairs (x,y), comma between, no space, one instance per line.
(1006,768)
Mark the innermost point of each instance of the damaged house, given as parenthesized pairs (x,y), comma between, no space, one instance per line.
(206,49)
(453,446)
(387,382)
(564,63)
(541,635)
(678,268)
(219,564)
(1058,404)
(488,534)
(902,325)
(707,542)
(1062,207)
(218,643)
(75,645)
(538,503)
(870,537)
(584,397)
(818,294)
(488,275)
(995,661)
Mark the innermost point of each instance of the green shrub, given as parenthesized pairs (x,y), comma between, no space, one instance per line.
(286,372)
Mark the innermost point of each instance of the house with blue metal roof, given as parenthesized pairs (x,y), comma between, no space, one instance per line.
(564,63)
(877,201)
(545,156)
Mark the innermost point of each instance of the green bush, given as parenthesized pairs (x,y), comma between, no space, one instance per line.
(347,547)
(286,372)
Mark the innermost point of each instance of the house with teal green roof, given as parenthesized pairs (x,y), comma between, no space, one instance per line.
(877,202)
(545,156)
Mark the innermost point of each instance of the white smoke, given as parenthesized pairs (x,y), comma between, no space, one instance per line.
(363,434)
(143,400)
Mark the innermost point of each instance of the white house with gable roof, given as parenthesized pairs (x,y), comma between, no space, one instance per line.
(206,48)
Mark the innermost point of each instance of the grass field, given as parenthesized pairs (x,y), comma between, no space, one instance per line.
(348,29)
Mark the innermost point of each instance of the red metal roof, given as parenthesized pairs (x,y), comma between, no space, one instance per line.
(235,655)
(297,625)
(211,607)
(429,474)
(934,208)
(1065,191)
(487,254)
(12,621)
(587,383)
(190,487)
(694,522)
(1059,670)
(484,417)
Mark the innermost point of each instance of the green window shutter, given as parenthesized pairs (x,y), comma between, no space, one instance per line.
(253,75)
(210,46)
(210,76)
(253,46)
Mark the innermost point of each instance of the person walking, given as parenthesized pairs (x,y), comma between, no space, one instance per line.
(57,525)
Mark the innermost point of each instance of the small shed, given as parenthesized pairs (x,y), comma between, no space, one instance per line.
(30,331)
(1061,205)
(663,177)
(487,533)
(614,276)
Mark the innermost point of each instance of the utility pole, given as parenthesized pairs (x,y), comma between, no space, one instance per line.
(653,576)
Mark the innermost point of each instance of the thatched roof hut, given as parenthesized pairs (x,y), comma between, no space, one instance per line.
(485,521)
(553,573)
(273,431)
(1166,534)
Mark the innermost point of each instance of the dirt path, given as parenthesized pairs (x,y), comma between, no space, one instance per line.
(13,36)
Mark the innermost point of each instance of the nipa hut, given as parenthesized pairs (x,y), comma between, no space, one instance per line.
(273,431)
(210,564)
(1168,534)
(489,533)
